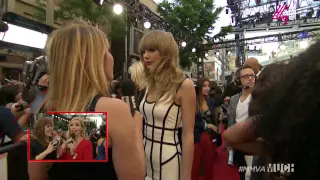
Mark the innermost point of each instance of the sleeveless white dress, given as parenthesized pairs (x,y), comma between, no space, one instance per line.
(161,145)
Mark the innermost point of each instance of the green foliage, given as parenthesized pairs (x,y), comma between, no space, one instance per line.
(195,18)
(58,124)
(84,10)
(90,125)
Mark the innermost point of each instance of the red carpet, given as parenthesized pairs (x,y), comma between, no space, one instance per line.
(221,169)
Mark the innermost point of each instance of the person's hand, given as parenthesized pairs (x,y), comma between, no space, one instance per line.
(14,107)
(50,148)
(22,117)
(221,117)
(44,80)
(211,126)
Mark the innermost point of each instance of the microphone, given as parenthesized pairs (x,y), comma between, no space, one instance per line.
(12,146)
(128,90)
(3,26)
(73,136)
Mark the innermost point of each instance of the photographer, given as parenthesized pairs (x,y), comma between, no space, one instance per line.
(11,110)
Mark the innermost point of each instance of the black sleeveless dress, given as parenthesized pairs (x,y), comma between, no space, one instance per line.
(84,171)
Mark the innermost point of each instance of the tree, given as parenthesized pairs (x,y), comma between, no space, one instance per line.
(90,125)
(194,18)
(87,11)
(59,124)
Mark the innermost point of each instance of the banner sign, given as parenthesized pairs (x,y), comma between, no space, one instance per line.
(285,13)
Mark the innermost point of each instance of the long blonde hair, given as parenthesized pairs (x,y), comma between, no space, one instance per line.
(168,75)
(77,67)
(136,71)
(81,120)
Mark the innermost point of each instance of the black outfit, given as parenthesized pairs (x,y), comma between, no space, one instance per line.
(259,162)
(231,89)
(17,164)
(11,128)
(94,139)
(8,123)
(85,171)
(140,96)
(36,148)
(239,160)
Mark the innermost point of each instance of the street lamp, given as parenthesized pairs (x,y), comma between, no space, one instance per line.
(147,25)
(183,44)
(117,9)
(193,50)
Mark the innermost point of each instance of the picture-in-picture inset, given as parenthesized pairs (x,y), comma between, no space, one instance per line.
(68,137)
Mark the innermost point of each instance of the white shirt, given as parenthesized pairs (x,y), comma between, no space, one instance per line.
(242,109)
(242,113)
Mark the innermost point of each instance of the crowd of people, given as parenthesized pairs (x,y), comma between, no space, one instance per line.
(270,114)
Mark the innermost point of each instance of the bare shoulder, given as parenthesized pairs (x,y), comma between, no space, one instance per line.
(186,87)
(118,113)
(187,83)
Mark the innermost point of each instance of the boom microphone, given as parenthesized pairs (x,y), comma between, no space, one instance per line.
(128,90)
(8,148)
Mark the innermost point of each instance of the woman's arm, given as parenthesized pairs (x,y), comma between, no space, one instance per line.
(128,154)
(42,155)
(240,132)
(187,96)
(240,136)
(37,171)
(45,153)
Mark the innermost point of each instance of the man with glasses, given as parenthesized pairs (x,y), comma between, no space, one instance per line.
(238,110)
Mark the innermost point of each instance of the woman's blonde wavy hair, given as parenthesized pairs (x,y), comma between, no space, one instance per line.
(81,120)
(168,75)
(77,67)
(77,60)
(136,71)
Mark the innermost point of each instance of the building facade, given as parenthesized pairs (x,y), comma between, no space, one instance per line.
(12,61)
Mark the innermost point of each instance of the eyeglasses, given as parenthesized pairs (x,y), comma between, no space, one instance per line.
(246,76)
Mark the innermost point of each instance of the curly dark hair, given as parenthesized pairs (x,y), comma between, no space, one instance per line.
(267,79)
(8,94)
(289,120)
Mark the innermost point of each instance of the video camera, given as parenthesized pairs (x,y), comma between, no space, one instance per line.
(34,70)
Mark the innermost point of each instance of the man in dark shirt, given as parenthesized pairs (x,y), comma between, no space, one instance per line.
(10,127)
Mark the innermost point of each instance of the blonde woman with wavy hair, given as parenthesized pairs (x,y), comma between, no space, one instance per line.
(76,147)
(169,102)
(80,70)
(136,71)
